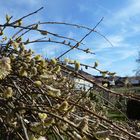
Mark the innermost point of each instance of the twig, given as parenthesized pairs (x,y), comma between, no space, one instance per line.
(58,42)
(78,26)
(77,44)
(24,128)
(26,16)
(59,117)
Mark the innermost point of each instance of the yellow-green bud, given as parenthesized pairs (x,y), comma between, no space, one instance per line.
(38,83)
(77,65)
(42,63)
(25,65)
(8,93)
(42,116)
(57,69)
(34,70)
(32,62)
(38,58)
(28,59)
(7,18)
(53,61)
(63,106)
(83,125)
(19,22)
(15,45)
(23,72)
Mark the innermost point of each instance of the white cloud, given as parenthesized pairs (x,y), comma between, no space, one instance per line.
(129,11)
(116,40)
(84,57)
(124,15)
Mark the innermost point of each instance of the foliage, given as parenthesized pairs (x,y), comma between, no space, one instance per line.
(38,96)
(138,69)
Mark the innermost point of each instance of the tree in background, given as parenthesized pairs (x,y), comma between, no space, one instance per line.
(138,62)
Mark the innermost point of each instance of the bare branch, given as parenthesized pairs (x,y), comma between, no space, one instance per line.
(77,44)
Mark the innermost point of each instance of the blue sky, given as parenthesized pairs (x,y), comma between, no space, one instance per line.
(121,25)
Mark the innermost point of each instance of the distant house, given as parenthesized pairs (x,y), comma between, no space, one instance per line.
(83,84)
(116,81)
(119,81)
(127,81)
(134,81)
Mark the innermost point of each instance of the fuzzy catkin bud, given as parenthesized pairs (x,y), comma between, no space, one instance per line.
(7,18)
(23,72)
(33,62)
(53,61)
(83,125)
(63,106)
(77,136)
(77,65)
(57,69)
(34,70)
(38,83)
(25,65)
(28,59)
(42,116)
(8,93)
(15,45)
(38,58)
(19,22)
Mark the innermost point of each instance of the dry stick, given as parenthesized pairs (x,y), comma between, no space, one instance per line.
(29,29)
(117,136)
(78,26)
(40,90)
(78,100)
(57,42)
(56,116)
(57,133)
(20,136)
(57,34)
(110,104)
(27,15)
(23,126)
(85,65)
(22,33)
(70,24)
(100,117)
(5,25)
(51,33)
(113,106)
(99,86)
(76,45)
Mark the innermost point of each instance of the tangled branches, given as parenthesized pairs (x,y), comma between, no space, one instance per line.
(39,97)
